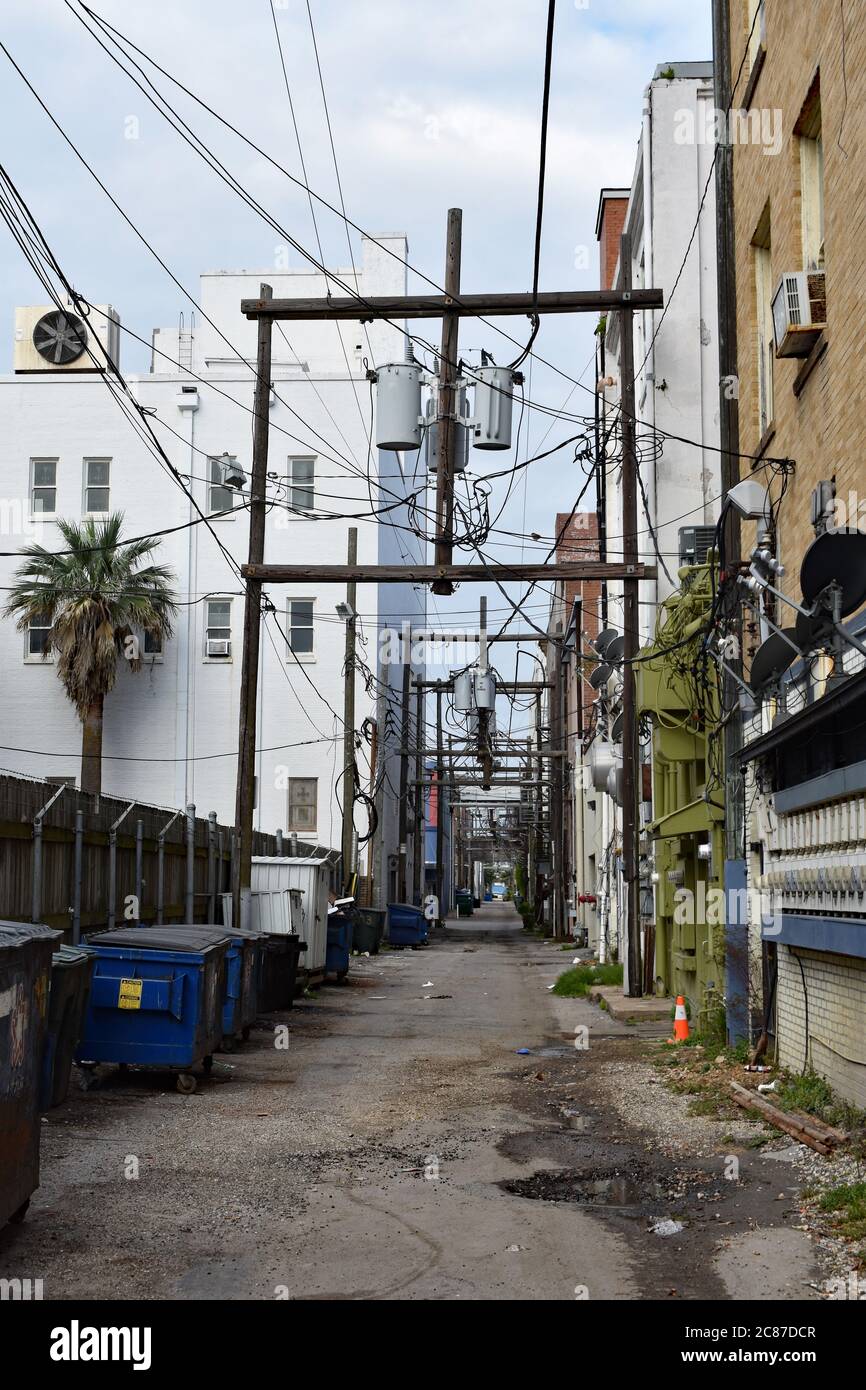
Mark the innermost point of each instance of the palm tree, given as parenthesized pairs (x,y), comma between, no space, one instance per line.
(97,597)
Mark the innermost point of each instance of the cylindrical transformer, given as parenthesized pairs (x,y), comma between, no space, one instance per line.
(461,434)
(463,692)
(398,406)
(494,388)
(485,689)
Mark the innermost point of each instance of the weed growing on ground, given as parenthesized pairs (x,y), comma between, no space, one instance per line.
(575,983)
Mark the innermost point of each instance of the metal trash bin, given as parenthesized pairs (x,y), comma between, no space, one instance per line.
(368,926)
(278,972)
(25,974)
(240,1000)
(406,925)
(67,1003)
(156,999)
(339,944)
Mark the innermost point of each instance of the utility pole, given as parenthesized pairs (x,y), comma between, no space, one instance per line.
(485,717)
(349,715)
(440,803)
(403,821)
(374,747)
(418,799)
(446,432)
(631,770)
(245,795)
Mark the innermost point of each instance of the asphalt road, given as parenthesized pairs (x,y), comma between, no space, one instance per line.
(398,1148)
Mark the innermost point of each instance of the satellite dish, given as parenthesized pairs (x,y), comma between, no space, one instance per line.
(615,650)
(60,337)
(812,629)
(836,557)
(600,676)
(773,658)
(617,727)
(603,640)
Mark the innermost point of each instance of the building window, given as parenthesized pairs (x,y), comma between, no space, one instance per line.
(218,629)
(303,795)
(43,486)
(152,645)
(301,483)
(301,638)
(97,473)
(812,181)
(757,19)
(220,498)
(37,638)
(764,318)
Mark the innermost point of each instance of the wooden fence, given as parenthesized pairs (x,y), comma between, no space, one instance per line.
(80,862)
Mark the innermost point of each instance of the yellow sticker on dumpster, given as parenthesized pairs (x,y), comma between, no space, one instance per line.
(129,994)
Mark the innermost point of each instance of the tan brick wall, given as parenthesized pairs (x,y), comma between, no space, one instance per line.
(825,429)
(836,992)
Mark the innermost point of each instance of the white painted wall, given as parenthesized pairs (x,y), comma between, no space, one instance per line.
(184,708)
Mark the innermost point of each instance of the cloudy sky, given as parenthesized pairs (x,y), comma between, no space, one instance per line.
(431,108)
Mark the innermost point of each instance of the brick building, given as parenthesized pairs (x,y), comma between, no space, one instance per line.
(799,171)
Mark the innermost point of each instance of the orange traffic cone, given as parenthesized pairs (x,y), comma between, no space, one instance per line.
(681,1022)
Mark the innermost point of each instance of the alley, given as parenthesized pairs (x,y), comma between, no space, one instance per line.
(400,1147)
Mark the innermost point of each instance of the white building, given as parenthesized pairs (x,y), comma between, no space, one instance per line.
(66,450)
(672,195)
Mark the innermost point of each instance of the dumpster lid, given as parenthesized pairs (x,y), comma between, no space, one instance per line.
(69,955)
(179,938)
(14,934)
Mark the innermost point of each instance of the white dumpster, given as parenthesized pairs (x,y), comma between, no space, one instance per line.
(272,874)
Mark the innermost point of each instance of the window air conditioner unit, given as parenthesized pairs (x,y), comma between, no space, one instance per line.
(799,312)
(219,646)
(695,542)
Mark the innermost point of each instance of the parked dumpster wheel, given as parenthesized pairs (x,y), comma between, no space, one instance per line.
(229,1043)
(341,975)
(185,1083)
(90,1078)
(207,1063)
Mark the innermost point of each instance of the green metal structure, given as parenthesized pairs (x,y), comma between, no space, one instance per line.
(677,694)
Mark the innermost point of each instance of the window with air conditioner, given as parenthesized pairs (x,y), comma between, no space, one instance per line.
(43,486)
(303,798)
(301,633)
(97,478)
(302,472)
(218,629)
(221,499)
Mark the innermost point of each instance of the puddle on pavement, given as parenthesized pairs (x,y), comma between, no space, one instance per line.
(602,1190)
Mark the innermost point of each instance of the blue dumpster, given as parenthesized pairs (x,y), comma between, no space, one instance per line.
(240,1001)
(406,925)
(25,973)
(156,999)
(339,944)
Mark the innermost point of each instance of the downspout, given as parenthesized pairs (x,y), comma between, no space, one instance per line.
(649,411)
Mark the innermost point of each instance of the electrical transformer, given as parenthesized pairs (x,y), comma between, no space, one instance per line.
(494,388)
(398,406)
(461,433)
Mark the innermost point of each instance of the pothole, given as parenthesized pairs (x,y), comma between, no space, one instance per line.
(610,1189)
